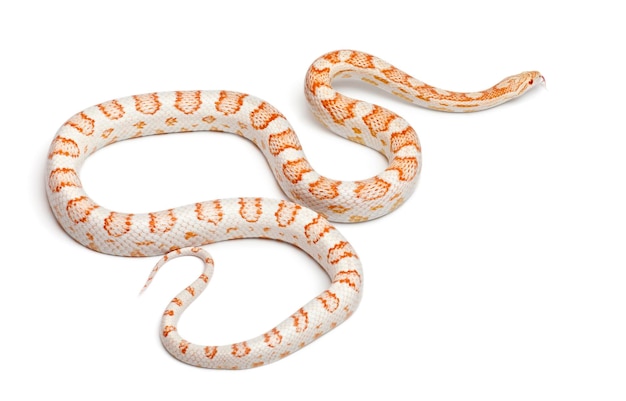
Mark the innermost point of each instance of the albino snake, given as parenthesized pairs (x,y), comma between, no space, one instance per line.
(179,231)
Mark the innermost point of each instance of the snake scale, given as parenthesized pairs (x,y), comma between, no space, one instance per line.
(303,221)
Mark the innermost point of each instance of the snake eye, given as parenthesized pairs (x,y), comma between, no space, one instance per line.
(530,82)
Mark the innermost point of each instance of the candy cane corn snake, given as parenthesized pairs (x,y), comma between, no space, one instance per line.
(303,222)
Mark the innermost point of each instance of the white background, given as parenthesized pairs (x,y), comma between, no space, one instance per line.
(502,278)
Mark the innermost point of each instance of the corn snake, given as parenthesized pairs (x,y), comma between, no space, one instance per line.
(303,222)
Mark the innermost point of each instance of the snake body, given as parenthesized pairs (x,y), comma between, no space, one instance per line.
(303,222)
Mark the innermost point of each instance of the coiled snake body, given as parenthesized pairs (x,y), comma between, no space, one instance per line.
(303,222)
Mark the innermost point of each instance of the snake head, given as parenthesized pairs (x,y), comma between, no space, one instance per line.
(522,82)
(531,80)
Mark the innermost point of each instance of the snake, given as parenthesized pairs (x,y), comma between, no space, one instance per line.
(303,221)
